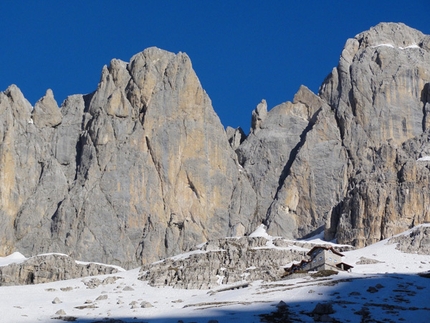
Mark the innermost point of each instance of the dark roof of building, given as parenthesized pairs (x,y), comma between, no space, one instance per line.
(326,248)
(344,265)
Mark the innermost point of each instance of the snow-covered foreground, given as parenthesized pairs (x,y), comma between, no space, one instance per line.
(387,291)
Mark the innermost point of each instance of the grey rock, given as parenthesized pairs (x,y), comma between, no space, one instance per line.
(145,304)
(315,178)
(416,242)
(134,305)
(379,93)
(235,136)
(142,169)
(66,289)
(282,305)
(103,174)
(92,283)
(102,298)
(46,112)
(352,168)
(56,301)
(223,261)
(323,308)
(49,268)
(367,261)
(267,154)
(110,280)
(177,301)
(258,116)
(60,312)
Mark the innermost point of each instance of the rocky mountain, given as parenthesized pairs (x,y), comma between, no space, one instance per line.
(137,170)
(142,168)
(351,163)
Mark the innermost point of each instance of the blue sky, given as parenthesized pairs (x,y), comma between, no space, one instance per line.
(242,51)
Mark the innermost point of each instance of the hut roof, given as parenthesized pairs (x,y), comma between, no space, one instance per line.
(326,248)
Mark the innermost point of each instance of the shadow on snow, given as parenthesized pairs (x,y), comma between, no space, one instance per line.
(366,298)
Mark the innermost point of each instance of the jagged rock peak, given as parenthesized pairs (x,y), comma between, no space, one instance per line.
(385,67)
(46,112)
(392,35)
(258,116)
(235,136)
(14,99)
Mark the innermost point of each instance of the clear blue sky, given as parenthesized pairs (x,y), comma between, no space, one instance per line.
(242,51)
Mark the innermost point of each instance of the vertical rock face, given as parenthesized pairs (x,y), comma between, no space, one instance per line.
(138,170)
(316,180)
(379,92)
(352,152)
(268,152)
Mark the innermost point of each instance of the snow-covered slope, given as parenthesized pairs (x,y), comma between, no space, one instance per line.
(383,286)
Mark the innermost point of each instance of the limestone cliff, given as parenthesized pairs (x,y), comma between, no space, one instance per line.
(379,92)
(138,170)
(354,169)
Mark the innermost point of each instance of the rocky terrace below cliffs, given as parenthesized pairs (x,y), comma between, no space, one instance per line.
(231,261)
(18,270)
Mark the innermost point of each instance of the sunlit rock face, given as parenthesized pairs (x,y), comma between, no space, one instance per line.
(138,170)
(382,90)
(348,162)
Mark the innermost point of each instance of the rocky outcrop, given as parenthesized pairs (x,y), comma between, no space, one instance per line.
(416,242)
(49,268)
(224,261)
(235,136)
(46,112)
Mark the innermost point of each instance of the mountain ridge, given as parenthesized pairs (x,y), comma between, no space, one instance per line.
(142,169)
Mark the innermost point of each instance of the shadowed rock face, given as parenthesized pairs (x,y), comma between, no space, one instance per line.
(142,168)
